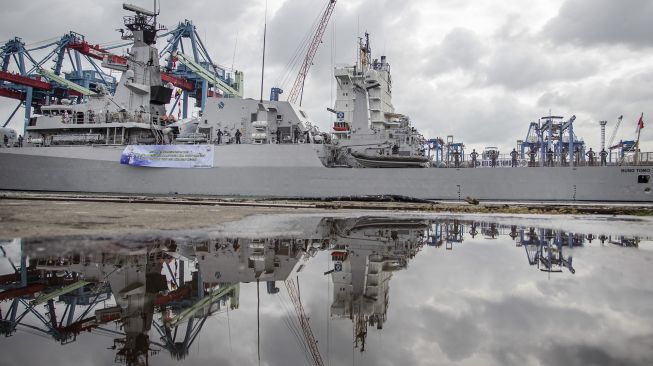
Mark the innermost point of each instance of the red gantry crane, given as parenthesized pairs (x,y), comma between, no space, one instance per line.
(297,90)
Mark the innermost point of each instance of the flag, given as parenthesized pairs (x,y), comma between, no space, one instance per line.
(640,124)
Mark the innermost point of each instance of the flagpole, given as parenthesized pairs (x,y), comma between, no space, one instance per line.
(639,132)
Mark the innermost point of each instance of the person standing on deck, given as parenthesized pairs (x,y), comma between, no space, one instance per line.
(532,153)
(493,157)
(549,157)
(474,155)
(296,135)
(237,134)
(278,135)
(219,136)
(577,155)
(456,158)
(513,155)
(604,157)
(590,157)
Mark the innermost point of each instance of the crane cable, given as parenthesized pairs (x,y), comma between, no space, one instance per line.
(298,56)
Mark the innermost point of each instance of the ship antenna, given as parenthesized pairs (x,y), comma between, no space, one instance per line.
(265,31)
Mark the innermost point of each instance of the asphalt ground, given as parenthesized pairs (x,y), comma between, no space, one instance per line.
(25,214)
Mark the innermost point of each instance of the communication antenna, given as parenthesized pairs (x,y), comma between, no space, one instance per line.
(265,31)
(139,10)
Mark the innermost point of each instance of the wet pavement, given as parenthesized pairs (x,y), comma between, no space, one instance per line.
(342,288)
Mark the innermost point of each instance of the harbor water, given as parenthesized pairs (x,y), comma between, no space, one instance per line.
(336,289)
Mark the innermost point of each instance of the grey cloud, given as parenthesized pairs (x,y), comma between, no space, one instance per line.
(460,49)
(580,355)
(457,337)
(592,22)
(520,66)
(602,99)
(478,121)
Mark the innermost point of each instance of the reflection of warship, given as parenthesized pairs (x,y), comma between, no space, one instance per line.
(140,280)
(159,292)
(365,252)
(77,147)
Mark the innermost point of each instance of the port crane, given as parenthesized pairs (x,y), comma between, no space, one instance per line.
(623,146)
(614,131)
(297,90)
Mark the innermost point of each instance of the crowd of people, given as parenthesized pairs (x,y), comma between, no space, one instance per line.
(6,142)
(225,136)
(493,157)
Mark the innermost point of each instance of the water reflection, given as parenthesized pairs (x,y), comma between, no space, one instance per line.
(156,293)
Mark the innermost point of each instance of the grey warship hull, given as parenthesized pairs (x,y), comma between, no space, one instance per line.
(295,171)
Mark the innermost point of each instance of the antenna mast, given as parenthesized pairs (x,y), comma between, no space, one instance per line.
(265,31)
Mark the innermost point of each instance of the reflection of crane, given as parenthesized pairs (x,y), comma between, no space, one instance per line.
(297,90)
(293,292)
(544,250)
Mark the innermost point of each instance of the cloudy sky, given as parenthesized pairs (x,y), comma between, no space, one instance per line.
(480,71)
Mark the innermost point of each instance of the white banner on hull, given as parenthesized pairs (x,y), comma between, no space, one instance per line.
(168,156)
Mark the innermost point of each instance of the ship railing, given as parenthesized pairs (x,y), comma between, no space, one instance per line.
(505,161)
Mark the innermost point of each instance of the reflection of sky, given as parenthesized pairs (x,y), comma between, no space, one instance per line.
(480,303)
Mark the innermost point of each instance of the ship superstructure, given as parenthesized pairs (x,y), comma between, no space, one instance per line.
(135,114)
(257,122)
(369,131)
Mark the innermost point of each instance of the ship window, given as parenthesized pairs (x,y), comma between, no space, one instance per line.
(644,178)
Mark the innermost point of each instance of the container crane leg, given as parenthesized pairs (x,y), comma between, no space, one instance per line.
(28,107)
(12,114)
(205,92)
(184,105)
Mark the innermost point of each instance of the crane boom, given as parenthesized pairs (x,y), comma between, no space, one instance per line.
(303,321)
(614,132)
(298,87)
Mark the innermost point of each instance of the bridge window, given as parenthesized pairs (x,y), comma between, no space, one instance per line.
(643,178)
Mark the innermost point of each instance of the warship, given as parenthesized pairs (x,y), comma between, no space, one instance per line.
(127,143)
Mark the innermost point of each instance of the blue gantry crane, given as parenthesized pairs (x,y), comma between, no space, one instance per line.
(553,133)
(35,82)
(204,76)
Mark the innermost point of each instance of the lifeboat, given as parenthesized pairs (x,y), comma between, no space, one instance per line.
(392,161)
